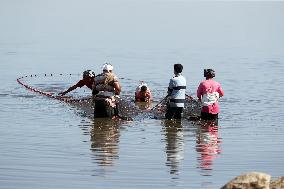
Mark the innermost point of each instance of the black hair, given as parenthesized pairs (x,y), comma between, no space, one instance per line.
(178,68)
(88,73)
(210,73)
(144,88)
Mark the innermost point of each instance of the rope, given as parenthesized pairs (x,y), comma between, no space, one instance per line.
(48,94)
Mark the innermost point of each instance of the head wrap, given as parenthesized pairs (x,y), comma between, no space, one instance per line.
(107,67)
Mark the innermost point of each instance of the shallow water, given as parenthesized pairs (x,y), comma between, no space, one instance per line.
(46,143)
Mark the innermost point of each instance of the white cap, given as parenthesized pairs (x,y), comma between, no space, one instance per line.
(107,67)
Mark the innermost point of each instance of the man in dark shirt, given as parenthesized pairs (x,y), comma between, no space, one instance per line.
(88,80)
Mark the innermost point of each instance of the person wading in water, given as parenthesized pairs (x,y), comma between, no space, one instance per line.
(88,80)
(208,92)
(143,93)
(105,93)
(176,92)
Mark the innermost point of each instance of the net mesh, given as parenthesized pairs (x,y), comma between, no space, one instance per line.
(51,84)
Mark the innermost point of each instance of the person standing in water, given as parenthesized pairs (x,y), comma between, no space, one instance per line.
(88,80)
(106,88)
(208,92)
(176,92)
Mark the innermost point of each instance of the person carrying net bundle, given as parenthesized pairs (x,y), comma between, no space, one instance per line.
(87,80)
(105,93)
(209,92)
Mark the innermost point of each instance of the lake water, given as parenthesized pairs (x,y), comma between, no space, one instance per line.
(46,143)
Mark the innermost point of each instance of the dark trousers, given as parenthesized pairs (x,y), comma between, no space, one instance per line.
(209,117)
(102,109)
(174,112)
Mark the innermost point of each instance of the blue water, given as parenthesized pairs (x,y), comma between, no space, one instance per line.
(47,143)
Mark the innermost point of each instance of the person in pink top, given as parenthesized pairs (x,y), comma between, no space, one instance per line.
(208,92)
(143,93)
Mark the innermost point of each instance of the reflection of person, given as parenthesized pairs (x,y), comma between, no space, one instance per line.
(107,86)
(176,91)
(144,106)
(208,93)
(88,80)
(207,144)
(174,144)
(105,139)
(143,93)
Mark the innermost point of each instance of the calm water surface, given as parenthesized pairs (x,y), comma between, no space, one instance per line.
(46,143)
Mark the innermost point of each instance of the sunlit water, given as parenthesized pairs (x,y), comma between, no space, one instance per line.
(47,143)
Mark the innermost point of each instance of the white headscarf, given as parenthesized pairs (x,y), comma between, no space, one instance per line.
(107,67)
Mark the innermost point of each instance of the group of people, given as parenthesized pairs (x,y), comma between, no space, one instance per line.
(208,92)
(106,89)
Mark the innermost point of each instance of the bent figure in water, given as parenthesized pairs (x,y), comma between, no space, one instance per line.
(105,93)
(88,80)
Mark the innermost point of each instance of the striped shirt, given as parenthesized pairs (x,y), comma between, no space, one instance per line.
(176,90)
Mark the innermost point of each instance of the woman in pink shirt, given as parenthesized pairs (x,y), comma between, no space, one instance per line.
(208,92)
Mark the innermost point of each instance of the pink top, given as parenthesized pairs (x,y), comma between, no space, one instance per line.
(140,97)
(210,86)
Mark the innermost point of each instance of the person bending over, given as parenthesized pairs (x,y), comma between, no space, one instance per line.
(88,80)
(143,93)
(105,93)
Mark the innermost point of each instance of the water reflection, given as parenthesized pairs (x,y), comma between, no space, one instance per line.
(104,141)
(174,144)
(207,145)
(143,105)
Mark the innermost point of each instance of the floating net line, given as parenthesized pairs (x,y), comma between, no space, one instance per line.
(50,92)
(51,84)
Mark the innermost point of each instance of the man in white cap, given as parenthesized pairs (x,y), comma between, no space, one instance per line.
(106,88)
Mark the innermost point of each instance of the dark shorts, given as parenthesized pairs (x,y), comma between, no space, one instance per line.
(174,112)
(102,109)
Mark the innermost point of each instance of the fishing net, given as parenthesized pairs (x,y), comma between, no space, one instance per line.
(50,85)
(192,109)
